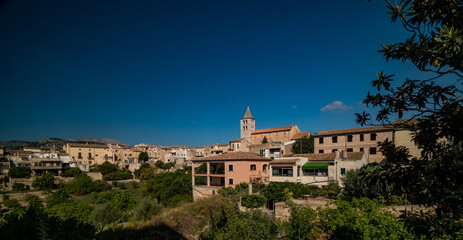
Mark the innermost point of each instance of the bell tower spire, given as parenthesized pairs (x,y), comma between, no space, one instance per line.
(248,125)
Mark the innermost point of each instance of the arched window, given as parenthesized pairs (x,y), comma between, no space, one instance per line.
(264,168)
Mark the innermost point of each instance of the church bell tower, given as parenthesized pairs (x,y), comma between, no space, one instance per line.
(248,125)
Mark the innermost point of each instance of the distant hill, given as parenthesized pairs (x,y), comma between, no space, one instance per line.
(58,142)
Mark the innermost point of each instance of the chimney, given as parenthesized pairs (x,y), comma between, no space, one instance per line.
(344,154)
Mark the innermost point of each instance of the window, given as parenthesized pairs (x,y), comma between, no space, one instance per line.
(335,139)
(80,156)
(90,162)
(343,171)
(361,137)
(230,181)
(253,167)
(89,155)
(321,151)
(282,171)
(238,145)
(315,172)
(230,167)
(262,151)
(373,150)
(373,136)
(361,149)
(320,140)
(349,138)
(350,150)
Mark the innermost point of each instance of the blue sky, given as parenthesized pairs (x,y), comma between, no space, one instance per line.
(183,72)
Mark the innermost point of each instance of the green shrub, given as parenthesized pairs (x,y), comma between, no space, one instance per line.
(31,198)
(72,172)
(57,197)
(253,201)
(230,223)
(106,168)
(117,175)
(134,184)
(10,203)
(159,164)
(168,166)
(302,223)
(19,187)
(83,184)
(361,219)
(102,197)
(124,201)
(70,208)
(19,172)
(45,182)
(34,223)
(146,209)
(227,191)
(164,186)
(106,214)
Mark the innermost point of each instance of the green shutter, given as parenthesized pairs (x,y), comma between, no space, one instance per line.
(315,166)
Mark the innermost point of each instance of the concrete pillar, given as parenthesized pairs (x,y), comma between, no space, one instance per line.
(208,172)
(295,172)
(192,174)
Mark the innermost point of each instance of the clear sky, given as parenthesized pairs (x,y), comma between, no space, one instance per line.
(183,72)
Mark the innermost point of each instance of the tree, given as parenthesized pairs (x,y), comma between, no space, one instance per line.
(264,140)
(143,156)
(303,145)
(434,104)
(19,172)
(159,164)
(106,168)
(45,182)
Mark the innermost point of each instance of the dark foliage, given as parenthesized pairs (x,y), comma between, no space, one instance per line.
(303,145)
(19,172)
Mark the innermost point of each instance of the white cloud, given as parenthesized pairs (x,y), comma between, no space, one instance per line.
(336,105)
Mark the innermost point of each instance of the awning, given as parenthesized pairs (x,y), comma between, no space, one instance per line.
(315,166)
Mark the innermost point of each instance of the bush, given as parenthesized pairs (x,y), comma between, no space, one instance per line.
(164,186)
(168,166)
(106,168)
(253,201)
(124,201)
(19,172)
(57,197)
(19,187)
(10,203)
(332,190)
(45,182)
(83,184)
(31,198)
(69,209)
(72,172)
(159,164)
(106,214)
(230,223)
(280,191)
(117,175)
(134,184)
(33,223)
(146,209)
(361,219)
(302,223)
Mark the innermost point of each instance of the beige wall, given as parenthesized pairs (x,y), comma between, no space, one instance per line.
(97,154)
(242,171)
(356,145)
(280,136)
(404,138)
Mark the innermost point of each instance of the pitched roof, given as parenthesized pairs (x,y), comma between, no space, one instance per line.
(277,129)
(82,145)
(355,130)
(300,135)
(234,156)
(248,113)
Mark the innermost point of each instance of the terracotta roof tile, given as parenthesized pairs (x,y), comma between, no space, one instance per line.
(300,135)
(234,156)
(83,145)
(277,129)
(236,140)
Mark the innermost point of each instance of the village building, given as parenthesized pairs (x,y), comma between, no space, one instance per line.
(85,155)
(364,139)
(4,167)
(46,162)
(226,170)
(317,169)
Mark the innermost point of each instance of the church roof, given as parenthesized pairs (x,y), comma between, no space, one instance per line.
(277,129)
(248,113)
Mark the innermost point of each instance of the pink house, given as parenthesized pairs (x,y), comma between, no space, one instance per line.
(227,170)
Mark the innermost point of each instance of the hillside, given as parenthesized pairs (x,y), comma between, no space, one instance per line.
(58,142)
